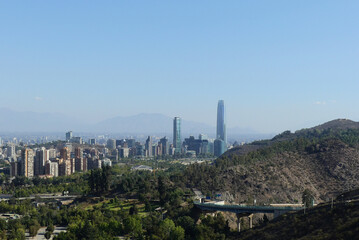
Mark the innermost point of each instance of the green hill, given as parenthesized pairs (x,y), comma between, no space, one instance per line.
(323,159)
(317,223)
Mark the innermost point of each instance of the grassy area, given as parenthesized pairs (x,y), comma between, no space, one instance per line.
(114,205)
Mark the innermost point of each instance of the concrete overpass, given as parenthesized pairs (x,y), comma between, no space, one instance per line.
(247,210)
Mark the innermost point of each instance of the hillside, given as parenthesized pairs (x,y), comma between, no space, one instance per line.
(321,222)
(323,160)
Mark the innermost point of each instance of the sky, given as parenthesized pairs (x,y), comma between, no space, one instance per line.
(278,65)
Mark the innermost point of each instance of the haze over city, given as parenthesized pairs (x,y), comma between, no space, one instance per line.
(278,65)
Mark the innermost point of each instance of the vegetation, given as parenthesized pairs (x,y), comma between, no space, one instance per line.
(321,222)
(115,201)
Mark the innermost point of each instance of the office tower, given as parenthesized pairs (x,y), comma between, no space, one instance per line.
(221,122)
(27,163)
(177,134)
(148,146)
(219,147)
(111,144)
(68,136)
(165,145)
(92,141)
(42,155)
(65,153)
(154,148)
(159,149)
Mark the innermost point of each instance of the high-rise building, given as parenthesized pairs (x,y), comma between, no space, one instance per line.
(11,153)
(221,122)
(68,135)
(148,146)
(92,141)
(52,168)
(165,146)
(219,147)
(177,144)
(42,155)
(27,163)
(78,152)
(14,169)
(65,153)
(66,168)
(124,152)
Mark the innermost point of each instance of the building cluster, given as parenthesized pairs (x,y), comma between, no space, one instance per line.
(76,156)
(53,163)
(191,146)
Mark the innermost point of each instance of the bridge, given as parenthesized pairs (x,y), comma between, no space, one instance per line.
(276,210)
(247,210)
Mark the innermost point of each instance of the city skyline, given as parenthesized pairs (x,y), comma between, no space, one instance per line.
(278,65)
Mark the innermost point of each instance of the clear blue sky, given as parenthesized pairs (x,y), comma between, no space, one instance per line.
(277,64)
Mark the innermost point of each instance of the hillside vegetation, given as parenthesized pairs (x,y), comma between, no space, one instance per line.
(321,222)
(323,159)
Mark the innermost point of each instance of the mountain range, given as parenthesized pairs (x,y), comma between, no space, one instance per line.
(144,123)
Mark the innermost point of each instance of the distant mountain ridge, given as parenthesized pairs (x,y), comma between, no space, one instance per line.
(144,123)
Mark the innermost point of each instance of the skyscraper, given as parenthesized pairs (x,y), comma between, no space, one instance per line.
(42,155)
(177,134)
(27,163)
(148,146)
(221,122)
(220,144)
(165,146)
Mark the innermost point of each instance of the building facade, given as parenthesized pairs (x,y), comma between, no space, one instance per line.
(221,122)
(177,143)
(27,163)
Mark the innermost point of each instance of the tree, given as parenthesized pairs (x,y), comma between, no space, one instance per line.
(33,228)
(307,198)
(177,233)
(50,228)
(48,235)
(133,225)
(187,223)
(166,227)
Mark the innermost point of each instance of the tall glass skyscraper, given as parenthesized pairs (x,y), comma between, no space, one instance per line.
(220,144)
(221,122)
(177,134)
